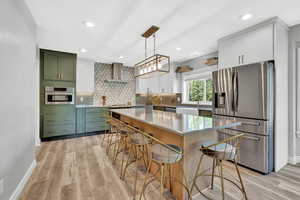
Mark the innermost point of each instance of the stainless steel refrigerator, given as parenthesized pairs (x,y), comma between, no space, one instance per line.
(246,94)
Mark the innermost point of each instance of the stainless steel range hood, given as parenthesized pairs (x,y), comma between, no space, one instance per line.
(116,74)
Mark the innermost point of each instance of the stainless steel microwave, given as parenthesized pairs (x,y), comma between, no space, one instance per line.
(59,95)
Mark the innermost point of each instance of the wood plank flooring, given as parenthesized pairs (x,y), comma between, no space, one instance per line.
(78,169)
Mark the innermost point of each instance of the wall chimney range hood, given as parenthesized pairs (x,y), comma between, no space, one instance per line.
(116,74)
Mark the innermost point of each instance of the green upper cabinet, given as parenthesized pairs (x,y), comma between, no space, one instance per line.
(66,66)
(59,66)
(51,67)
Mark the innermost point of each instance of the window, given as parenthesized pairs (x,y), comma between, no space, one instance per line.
(199,91)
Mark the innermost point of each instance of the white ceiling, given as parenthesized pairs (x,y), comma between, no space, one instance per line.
(193,25)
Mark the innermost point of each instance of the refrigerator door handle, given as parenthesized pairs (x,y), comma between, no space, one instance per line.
(236,92)
(233,93)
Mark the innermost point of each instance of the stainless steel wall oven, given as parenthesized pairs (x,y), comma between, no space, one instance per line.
(59,95)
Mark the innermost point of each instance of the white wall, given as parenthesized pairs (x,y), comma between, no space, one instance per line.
(17,85)
(294,94)
(85,76)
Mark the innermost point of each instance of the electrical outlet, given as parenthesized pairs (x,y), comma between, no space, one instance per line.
(1,186)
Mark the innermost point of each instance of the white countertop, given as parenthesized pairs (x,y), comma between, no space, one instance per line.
(100,106)
(181,124)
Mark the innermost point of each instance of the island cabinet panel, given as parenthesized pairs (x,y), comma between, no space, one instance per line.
(91,120)
(58,121)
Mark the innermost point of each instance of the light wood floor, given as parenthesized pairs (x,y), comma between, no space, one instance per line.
(78,169)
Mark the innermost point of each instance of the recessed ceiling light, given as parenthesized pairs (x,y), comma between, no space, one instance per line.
(196,53)
(246,16)
(178,49)
(82,50)
(89,24)
(121,57)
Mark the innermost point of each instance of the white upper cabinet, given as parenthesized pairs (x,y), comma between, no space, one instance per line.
(166,83)
(249,46)
(85,76)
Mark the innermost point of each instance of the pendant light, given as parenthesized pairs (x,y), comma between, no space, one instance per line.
(154,65)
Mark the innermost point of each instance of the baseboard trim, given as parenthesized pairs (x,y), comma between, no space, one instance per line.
(294,160)
(23,182)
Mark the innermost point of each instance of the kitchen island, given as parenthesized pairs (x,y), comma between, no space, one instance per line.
(186,131)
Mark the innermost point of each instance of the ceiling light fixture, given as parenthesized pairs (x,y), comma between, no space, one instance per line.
(121,57)
(196,53)
(246,16)
(89,24)
(156,64)
(82,50)
(178,49)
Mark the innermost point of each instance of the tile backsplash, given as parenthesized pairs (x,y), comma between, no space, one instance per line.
(116,93)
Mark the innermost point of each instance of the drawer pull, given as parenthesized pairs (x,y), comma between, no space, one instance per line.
(251,123)
(251,138)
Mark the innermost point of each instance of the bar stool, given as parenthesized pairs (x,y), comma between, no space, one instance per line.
(110,134)
(138,152)
(226,150)
(121,145)
(165,156)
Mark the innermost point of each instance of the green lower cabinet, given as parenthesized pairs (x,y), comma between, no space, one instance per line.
(91,120)
(58,120)
(80,120)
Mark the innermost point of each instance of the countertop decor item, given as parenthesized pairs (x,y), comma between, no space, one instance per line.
(103,100)
(153,65)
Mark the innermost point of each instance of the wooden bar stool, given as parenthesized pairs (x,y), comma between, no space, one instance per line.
(226,150)
(164,156)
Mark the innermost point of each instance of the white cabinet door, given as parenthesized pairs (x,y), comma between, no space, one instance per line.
(229,53)
(155,86)
(85,76)
(250,47)
(166,83)
(258,45)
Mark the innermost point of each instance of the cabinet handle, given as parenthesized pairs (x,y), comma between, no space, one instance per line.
(243,59)
(61,76)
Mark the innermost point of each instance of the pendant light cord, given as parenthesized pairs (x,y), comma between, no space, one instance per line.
(154,39)
(145,48)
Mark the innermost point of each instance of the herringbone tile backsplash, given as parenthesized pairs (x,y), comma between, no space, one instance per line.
(116,93)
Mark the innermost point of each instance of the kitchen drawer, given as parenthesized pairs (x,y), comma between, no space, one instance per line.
(96,110)
(94,118)
(96,126)
(59,113)
(59,129)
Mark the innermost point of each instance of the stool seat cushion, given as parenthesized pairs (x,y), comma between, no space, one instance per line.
(139,139)
(221,151)
(162,154)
